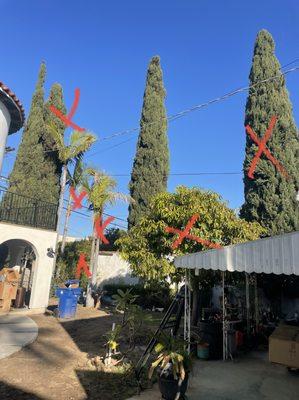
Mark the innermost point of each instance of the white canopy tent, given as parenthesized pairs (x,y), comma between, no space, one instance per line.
(277,255)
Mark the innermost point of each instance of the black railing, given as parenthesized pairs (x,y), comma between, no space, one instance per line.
(22,210)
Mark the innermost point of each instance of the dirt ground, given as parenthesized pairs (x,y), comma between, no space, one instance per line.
(56,365)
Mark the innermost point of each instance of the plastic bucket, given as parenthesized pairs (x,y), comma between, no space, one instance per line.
(203,352)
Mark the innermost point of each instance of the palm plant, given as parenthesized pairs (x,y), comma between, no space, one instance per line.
(100,190)
(174,363)
(80,142)
(74,180)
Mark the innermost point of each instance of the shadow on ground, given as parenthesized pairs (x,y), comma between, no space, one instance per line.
(87,333)
(108,386)
(8,392)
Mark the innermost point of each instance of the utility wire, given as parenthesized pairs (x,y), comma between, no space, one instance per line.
(108,215)
(202,105)
(192,109)
(88,216)
(188,174)
(65,208)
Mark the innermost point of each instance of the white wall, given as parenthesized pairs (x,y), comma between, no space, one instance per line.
(113,269)
(4,127)
(40,240)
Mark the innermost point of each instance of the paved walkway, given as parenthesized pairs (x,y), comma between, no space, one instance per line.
(16,331)
(251,377)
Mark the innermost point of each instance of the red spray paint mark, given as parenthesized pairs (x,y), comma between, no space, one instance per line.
(66,119)
(82,266)
(185,234)
(263,149)
(77,199)
(100,228)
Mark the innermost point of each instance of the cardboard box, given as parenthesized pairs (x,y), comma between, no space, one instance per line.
(4,306)
(8,290)
(9,275)
(284,346)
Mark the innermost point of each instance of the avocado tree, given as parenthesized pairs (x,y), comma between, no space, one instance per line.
(148,246)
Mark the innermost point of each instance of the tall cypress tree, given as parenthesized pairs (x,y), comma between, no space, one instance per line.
(34,174)
(270,198)
(151,163)
(51,154)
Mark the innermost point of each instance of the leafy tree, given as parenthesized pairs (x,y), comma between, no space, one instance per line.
(34,173)
(51,153)
(112,235)
(67,262)
(270,198)
(151,163)
(148,247)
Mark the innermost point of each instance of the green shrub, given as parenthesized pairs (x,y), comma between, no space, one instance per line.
(154,295)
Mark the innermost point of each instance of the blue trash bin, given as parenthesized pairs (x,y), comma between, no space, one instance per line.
(68,299)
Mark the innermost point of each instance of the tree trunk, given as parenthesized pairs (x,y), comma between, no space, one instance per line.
(89,299)
(59,213)
(66,223)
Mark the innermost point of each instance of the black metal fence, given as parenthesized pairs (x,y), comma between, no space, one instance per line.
(22,210)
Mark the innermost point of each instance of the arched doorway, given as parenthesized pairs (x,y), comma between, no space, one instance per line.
(21,256)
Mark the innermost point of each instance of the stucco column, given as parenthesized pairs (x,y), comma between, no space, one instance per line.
(4,127)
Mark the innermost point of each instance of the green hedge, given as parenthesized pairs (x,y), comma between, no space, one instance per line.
(148,297)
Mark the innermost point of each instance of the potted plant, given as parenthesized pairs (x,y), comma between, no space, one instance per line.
(173,367)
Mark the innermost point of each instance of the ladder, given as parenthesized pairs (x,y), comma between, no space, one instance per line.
(171,321)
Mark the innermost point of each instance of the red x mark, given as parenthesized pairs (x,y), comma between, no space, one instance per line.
(185,234)
(67,118)
(263,149)
(77,199)
(82,265)
(100,227)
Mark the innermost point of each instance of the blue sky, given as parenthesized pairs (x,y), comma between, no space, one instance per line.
(104,49)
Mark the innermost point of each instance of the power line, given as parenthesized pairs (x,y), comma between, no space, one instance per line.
(192,109)
(108,215)
(188,174)
(88,216)
(203,105)
(65,208)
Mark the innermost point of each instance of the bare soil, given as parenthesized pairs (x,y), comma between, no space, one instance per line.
(57,365)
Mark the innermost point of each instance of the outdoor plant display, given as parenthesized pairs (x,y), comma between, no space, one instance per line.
(173,367)
(133,316)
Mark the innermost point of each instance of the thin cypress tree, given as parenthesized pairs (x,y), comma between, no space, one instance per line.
(151,164)
(270,198)
(51,120)
(33,173)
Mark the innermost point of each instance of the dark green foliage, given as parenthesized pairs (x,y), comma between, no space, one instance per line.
(55,99)
(156,294)
(67,263)
(270,198)
(151,163)
(35,173)
(112,234)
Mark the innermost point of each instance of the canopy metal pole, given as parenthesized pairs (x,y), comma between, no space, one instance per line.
(187,312)
(223,320)
(247,305)
(256,304)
